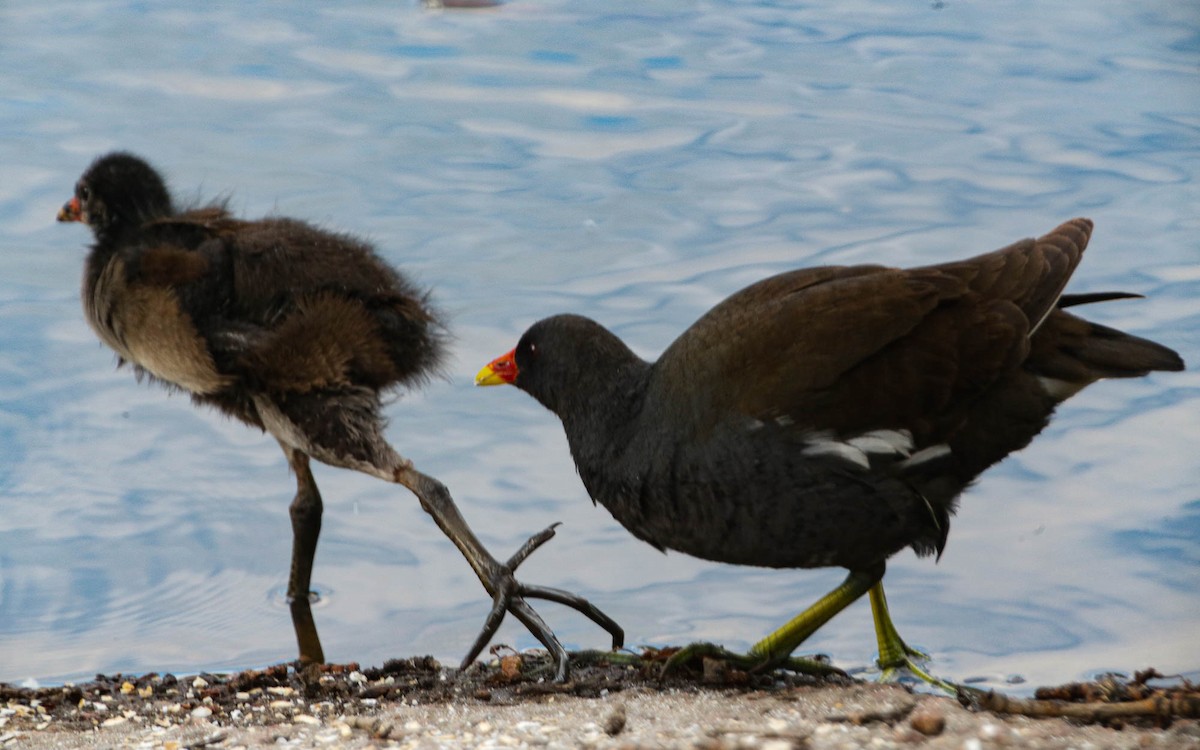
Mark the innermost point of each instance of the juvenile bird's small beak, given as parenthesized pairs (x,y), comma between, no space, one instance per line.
(500,371)
(71,211)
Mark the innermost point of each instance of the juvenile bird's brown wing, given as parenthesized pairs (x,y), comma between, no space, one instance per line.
(283,306)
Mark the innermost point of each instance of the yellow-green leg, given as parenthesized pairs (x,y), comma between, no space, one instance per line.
(894,654)
(785,640)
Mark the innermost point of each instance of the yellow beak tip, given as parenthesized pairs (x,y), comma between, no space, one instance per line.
(488,376)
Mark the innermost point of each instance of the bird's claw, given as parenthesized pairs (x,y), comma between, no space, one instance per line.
(901,663)
(907,668)
(509,595)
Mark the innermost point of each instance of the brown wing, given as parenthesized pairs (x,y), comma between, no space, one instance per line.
(282,304)
(851,349)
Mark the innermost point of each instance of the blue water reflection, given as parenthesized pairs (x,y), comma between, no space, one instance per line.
(635,162)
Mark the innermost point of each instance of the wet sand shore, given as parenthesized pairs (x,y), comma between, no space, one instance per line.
(416,703)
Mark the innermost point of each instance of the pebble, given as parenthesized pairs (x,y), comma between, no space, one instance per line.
(201,712)
(615,723)
(928,721)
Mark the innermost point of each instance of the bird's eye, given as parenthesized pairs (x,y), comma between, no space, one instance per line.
(527,350)
(83,192)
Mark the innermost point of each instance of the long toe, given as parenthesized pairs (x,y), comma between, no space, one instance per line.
(908,670)
(710,658)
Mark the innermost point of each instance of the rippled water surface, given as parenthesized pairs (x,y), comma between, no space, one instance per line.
(634,162)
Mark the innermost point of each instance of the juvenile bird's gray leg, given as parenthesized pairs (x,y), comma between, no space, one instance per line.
(305,511)
(508,595)
(344,429)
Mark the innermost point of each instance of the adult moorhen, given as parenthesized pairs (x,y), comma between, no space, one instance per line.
(291,329)
(827,416)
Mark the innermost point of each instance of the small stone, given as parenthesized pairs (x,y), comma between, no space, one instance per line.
(614,724)
(928,721)
(199,683)
(201,712)
(281,690)
(241,695)
(306,719)
(114,721)
(357,677)
(146,692)
(278,705)
(127,687)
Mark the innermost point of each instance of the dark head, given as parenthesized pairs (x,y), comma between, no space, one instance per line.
(117,191)
(563,360)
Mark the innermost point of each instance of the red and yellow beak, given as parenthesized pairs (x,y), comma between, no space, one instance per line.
(500,371)
(72,210)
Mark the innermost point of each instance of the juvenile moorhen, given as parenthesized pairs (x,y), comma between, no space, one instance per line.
(827,416)
(291,329)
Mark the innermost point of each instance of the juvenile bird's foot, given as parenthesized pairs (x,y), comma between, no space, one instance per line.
(751,662)
(509,595)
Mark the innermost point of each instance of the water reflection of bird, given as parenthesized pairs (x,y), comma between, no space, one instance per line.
(827,416)
(286,327)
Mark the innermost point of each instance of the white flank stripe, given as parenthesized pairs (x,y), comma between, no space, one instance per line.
(926,454)
(835,448)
